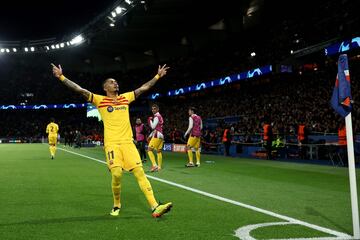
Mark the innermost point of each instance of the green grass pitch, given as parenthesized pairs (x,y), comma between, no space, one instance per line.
(70,197)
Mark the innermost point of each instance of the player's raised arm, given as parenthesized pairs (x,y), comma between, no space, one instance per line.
(57,71)
(146,86)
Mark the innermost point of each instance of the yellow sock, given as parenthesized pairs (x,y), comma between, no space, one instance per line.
(159,158)
(152,158)
(190,154)
(145,186)
(197,156)
(116,174)
(54,150)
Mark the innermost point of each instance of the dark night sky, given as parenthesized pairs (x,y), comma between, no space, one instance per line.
(35,20)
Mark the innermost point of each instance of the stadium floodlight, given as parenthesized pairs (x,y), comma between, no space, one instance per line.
(57,46)
(2,50)
(129,2)
(47,48)
(253,54)
(26,49)
(7,50)
(68,43)
(77,40)
(118,9)
(113,14)
(32,49)
(112,25)
(291,51)
(62,45)
(52,46)
(14,50)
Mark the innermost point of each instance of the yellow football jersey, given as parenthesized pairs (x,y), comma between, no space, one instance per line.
(52,129)
(115,116)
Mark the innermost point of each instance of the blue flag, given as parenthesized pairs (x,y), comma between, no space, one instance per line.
(341,100)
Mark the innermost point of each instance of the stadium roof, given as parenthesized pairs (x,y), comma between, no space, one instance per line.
(36,20)
(154,28)
(158,30)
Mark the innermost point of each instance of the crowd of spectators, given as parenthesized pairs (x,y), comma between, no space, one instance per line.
(30,125)
(286,98)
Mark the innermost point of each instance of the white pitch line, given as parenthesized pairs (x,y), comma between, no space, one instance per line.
(217,197)
(243,233)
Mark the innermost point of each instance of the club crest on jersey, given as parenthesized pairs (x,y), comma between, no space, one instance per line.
(110,109)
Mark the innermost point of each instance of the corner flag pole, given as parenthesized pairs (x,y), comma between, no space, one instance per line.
(352,176)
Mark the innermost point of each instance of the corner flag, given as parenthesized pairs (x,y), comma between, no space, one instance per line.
(341,99)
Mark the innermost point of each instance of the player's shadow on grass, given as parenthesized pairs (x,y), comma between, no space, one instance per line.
(71,220)
(314,212)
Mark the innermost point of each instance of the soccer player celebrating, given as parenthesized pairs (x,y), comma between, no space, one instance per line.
(121,153)
(157,138)
(52,130)
(195,127)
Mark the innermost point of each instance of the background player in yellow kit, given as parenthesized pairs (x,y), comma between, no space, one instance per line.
(120,150)
(156,124)
(194,129)
(52,130)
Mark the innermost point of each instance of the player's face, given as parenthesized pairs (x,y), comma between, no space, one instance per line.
(154,110)
(138,121)
(190,112)
(111,85)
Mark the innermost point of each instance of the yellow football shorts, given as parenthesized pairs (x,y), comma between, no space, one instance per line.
(52,139)
(156,143)
(125,156)
(193,142)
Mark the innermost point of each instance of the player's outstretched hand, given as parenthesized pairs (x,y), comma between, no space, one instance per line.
(57,71)
(162,70)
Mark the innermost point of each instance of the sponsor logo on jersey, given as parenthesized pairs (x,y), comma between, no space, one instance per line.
(120,108)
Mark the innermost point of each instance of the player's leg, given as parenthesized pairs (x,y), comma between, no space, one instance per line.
(132,162)
(142,151)
(145,185)
(51,151)
(151,154)
(114,162)
(268,149)
(159,153)
(153,144)
(116,174)
(158,209)
(197,151)
(189,145)
(51,146)
(54,146)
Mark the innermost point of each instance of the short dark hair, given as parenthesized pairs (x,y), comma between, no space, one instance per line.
(192,109)
(52,119)
(104,82)
(155,106)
